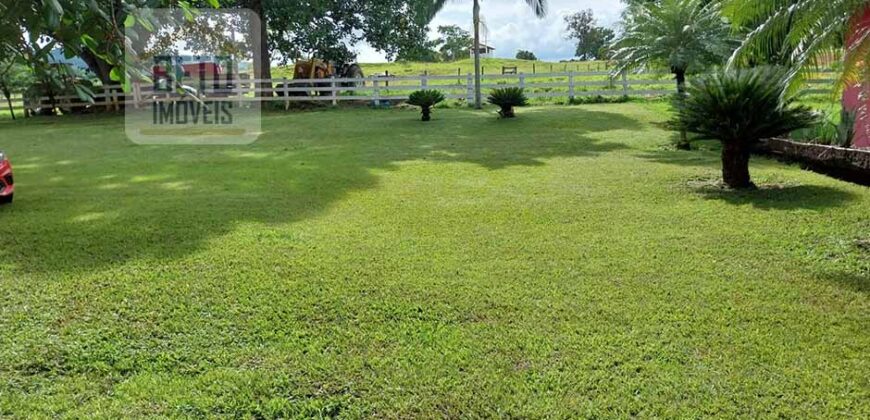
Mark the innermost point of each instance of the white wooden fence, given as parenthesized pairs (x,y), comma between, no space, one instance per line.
(379,89)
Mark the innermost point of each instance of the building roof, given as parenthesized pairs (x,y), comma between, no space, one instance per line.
(482,45)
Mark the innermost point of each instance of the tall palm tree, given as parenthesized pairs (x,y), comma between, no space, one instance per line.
(680,35)
(801,32)
(538,6)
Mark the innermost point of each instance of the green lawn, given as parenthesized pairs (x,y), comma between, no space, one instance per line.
(465,66)
(361,263)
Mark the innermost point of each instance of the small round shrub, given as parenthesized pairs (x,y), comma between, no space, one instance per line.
(507,99)
(426,99)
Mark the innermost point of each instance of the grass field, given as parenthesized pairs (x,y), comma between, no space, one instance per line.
(465,66)
(361,263)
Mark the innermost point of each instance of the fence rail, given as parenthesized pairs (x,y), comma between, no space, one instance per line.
(378,89)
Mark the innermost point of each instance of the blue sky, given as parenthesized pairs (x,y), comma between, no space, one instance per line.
(513,26)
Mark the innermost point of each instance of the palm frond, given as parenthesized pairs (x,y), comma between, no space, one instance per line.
(803,34)
(682,35)
(538,6)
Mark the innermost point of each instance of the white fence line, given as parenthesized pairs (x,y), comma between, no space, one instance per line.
(378,89)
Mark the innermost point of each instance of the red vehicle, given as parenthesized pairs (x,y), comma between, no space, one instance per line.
(7,187)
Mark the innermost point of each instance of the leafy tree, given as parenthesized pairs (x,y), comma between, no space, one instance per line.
(454,41)
(679,35)
(526,55)
(740,108)
(424,53)
(14,78)
(592,40)
(538,6)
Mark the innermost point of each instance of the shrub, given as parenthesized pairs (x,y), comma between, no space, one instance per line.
(740,108)
(830,131)
(598,99)
(426,99)
(526,55)
(507,99)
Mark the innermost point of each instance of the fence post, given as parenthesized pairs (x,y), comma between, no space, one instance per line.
(286,93)
(469,89)
(107,98)
(333,92)
(115,101)
(111,99)
(571,86)
(377,93)
(624,83)
(533,68)
(522,81)
(424,81)
(137,94)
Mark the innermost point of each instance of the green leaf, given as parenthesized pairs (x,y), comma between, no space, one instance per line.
(130,21)
(84,93)
(214,3)
(116,74)
(89,42)
(55,4)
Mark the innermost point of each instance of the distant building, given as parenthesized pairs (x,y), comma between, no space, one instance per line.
(485,51)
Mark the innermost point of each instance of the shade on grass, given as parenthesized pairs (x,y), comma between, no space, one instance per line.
(351,263)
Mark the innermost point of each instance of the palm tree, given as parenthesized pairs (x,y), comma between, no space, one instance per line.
(799,33)
(680,35)
(739,108)
(538,6)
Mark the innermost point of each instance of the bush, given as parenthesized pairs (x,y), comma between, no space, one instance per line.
(426,99)
(526,55)
(740,108)
(507,99)
(829,131)
(598,99)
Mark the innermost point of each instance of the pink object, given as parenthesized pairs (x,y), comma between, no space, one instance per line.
(856,97)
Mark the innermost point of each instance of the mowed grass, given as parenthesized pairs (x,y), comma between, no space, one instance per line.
(358,263)
(465,66)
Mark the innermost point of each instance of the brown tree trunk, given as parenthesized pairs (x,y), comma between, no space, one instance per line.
(100,67)
(8,95)
(262,58)
(735,165)
(680,75)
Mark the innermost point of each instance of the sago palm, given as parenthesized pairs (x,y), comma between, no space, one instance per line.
(539,7)
(739,108)
(682,36)
(802,34)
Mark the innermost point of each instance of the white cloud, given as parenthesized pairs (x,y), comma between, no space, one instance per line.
(513,26)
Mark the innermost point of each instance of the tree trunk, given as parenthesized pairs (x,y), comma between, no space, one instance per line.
(262,59)
(735,165)
(476,48)
(426,113)
(680,75)
(507,112)
(8,95)
(100,67)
